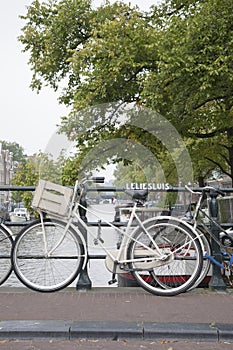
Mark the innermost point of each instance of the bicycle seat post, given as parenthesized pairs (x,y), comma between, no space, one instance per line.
(216,281)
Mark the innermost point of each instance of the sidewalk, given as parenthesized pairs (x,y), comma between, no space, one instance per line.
(116,313)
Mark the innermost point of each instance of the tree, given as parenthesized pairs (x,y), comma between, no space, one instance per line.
(108,63)
(193,86)
(16,150)
(68,39)
(37,166)
(175,59)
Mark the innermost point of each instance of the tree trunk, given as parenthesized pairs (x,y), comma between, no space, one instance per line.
(201,181)
(230,150)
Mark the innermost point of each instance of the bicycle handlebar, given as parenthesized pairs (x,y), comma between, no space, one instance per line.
(217,190)
(191,191)
(206,189)
(80,186)
(98,179)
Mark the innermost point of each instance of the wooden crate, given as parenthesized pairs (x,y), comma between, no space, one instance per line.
(52,198)
(225,205)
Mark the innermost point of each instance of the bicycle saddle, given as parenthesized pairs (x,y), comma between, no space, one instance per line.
(138,194)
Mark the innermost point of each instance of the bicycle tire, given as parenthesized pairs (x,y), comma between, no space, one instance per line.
(206,267)
(182,257)
(6,242)
(206,248)
(47,273)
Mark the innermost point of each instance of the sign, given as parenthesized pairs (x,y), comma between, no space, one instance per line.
(149,186)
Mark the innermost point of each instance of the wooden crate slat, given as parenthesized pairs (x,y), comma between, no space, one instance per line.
(50,206)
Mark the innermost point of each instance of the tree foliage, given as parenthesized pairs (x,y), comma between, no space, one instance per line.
(16,150)
(175,59)
(28,174)
(193,86)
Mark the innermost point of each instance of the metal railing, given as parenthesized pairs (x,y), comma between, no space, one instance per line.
(84,281)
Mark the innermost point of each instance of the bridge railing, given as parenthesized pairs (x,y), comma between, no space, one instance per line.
(84,282)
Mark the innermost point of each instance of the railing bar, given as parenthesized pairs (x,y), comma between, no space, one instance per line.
(109,189)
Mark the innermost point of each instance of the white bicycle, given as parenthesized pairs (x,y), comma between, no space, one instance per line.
(164,256)
(6,242)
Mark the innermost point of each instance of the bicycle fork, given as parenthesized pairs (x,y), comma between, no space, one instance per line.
(43,232)
(47,252)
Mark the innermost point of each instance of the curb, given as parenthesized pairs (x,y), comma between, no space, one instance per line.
(12,330)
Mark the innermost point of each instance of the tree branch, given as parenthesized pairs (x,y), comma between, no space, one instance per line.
(219,166)
(225,158)
(207,135)
(214,98)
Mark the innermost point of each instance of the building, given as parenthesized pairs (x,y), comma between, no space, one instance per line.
(224,181)
(7,168)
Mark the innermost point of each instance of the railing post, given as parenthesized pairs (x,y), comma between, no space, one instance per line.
(216,281)
(84,281)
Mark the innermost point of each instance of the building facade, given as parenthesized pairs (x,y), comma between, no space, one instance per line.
(7,168)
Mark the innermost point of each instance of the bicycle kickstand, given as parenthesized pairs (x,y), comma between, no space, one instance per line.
(113,280)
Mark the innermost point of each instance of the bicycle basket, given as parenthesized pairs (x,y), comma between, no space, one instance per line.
(225,209)
(52,198)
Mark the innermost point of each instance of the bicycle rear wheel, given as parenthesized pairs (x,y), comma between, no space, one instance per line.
(166,258)
(6,242)
(40,271)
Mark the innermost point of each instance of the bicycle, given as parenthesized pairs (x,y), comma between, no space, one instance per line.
(50,253)
(6,243)
(204,234)
(197,220)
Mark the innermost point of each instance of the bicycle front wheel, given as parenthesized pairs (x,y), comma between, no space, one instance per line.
(164,257)
(6,242)
(41,267)
(206,267)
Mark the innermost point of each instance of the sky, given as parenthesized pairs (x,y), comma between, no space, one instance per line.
(28,118)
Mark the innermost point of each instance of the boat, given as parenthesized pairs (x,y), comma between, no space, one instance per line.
(123,211)
(19,214)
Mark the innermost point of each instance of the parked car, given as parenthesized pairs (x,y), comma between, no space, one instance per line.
(20,214)
(225,239)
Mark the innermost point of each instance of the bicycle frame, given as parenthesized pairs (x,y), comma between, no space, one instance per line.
(195,223)
(121,257)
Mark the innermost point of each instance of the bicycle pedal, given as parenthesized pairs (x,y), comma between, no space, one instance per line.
(112,281)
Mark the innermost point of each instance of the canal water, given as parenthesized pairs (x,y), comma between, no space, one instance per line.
(98,273)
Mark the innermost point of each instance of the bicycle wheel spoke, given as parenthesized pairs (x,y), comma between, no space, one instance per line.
(180,261)
(40,270)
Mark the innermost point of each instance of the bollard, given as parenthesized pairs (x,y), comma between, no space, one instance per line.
(84,281)
(216,281)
